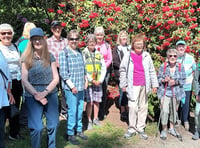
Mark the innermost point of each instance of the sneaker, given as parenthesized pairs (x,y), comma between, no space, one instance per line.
(72,139)
(163,135)
(128,134)
(187,126)
(81,135)
(196,135)
(143,135)
(174,133)
(89,125)
(178,123)
(16,137)
(96,122)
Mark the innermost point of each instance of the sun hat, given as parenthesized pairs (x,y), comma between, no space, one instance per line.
(180,42)
(36,32)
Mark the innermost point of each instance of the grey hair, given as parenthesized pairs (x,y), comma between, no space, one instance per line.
(91,36)
(6,27)
(99,30)
(172,50)
(72,32)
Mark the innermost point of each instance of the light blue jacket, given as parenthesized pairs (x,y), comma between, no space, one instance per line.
(5,78)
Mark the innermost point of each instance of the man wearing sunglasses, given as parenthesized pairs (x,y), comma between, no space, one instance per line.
(56,43)
(189,64)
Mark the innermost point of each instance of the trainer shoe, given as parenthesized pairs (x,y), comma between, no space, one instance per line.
(174,133)
(89,125)
(96,122)
(143,135)
(72,139)
(163,135)
(128,135)
(196,135)
(81,135)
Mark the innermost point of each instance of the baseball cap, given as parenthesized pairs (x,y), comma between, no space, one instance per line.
(36,32)
(180,42)
(55,23)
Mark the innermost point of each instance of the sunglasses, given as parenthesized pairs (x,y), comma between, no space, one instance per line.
(4,33)
(73,39)
(172,56)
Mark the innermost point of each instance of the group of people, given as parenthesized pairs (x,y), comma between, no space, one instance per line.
(37,68)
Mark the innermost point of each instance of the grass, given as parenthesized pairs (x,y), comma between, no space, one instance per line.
(105,136)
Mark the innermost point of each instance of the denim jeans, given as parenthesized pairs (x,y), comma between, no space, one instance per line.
(2,119)
(197,116)
(75,104)
(35,112)
(185,107)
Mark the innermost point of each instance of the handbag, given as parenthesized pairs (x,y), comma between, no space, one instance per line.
(14,111)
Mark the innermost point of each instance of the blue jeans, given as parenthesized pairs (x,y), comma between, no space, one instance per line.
(185,107)
(75,104)
(35,112)
(2,119)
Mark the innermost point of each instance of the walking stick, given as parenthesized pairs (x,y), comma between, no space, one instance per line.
(174,116)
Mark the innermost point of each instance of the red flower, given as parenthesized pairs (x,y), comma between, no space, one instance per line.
(93,15)
(50,10)
(158,47)
(117,8)
(188,19)
(166,8)
(188,33)
(179,23)
(139,25)
(198,9)
(194,19)
(110,19)
(73,19)
(63,24)
(161,37)
(59,11)
(130,30)
(187,38)
(168,27)
(192,10)
(170,21)
(176,8)
(61,5)
(158,24)
(194,3)
(166,43)
(169,39)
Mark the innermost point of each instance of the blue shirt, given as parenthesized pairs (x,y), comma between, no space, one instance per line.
(72,68)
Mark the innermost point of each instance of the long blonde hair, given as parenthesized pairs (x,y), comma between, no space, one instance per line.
(28,55)
(123,32)
(27,27)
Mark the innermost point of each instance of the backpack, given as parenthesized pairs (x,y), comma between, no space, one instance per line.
(19,41)
(165,66)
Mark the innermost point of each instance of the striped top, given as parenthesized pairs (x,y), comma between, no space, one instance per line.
(12,57)
(190,67)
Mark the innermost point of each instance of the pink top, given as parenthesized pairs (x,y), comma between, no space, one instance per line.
(138,73)
(105,50)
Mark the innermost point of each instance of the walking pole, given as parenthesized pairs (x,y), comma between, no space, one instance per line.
(173,110)
(161,112)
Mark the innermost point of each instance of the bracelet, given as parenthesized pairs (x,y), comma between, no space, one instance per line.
(46,90)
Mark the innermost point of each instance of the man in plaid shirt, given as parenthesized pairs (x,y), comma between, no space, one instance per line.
(56,43)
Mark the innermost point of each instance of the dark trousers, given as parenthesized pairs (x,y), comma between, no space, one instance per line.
(2,120)
(185,107)
(102,105)
(62,100)
(14,122)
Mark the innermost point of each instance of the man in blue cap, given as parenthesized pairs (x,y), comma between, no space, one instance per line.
(189,64)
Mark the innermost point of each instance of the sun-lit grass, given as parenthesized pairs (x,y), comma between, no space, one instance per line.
(105,136)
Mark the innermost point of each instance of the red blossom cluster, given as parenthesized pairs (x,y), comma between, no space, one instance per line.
(84,24)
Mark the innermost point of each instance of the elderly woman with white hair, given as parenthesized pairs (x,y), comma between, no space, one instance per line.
(10,52)
(171,78)
(105,49)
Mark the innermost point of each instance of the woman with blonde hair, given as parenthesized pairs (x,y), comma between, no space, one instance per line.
(23,40)
(105,49)
(122,47)
(40,77)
